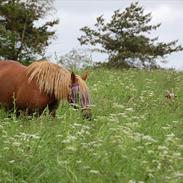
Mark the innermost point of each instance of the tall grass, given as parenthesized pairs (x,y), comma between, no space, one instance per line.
(135,135)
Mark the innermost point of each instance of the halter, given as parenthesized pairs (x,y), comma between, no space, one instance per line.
(75,105)
(74,85)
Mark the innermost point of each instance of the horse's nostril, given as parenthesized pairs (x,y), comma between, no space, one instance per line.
(89,117)
(75,106)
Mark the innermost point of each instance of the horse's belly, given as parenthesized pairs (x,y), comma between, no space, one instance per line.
(33,103)
(29,97)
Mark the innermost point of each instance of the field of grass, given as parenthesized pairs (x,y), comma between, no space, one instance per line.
(135,135)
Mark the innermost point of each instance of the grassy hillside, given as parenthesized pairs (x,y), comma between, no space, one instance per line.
(135,135)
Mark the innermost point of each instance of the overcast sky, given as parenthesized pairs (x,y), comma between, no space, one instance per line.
(74,14)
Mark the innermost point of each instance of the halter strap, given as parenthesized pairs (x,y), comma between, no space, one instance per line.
(74,85)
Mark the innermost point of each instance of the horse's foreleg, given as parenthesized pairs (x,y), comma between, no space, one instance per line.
(53,107)
(52,113)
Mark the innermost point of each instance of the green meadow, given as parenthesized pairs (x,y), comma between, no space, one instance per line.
(135,135)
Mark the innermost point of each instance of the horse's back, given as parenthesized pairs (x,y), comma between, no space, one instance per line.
(11,68)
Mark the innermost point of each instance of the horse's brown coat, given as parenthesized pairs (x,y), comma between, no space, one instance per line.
(14,85)
(39,85)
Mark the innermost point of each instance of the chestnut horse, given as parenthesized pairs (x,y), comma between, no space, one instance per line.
(32,88)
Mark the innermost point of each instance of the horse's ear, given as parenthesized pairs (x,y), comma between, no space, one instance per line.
(85,75)
(73,77)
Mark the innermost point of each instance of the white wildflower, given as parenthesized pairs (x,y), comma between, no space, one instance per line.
(59,136)
(17,144)
(63,162)
(12,161)
(178,174)
(6,148)
(76,124)
(165,127)
(131,181)
(78,161)
(96,172)
(71,148)
(171,135)
(86,167)
(162,148)
(123,115)
(176,154)
(129,109)
(148,138)
(150,152)
(118,106)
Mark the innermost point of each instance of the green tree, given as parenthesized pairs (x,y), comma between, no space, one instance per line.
(23,32)
(126,38)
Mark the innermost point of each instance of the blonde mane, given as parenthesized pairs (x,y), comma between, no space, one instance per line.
(53,79)
(82,86)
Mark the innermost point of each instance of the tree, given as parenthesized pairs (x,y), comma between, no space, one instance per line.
(76,59)
(125,38)
(22,35)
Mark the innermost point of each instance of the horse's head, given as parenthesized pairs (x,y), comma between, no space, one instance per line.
(79,94)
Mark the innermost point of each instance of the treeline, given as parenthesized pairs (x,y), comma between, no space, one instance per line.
(125,37)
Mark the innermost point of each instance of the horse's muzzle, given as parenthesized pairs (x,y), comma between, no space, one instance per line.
(86,112)
(75,106)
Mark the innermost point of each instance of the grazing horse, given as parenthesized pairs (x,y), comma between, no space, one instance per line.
(32,88)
